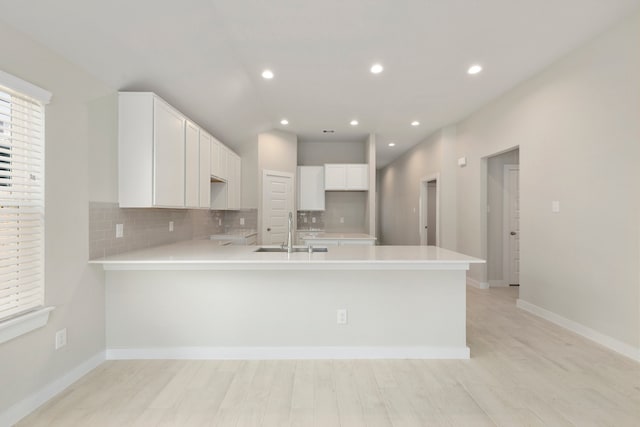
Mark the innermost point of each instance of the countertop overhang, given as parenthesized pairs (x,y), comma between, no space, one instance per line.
(208,255)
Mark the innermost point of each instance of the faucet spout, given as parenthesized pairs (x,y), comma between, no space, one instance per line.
(290,234)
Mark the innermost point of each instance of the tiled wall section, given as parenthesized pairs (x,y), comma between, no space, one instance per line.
(232,220)
(305,220)
(145,228)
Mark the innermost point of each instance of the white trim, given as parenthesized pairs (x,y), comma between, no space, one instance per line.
(15,83)
(287,353)
(29,404)
(602,339)
(13,328)
(477,284)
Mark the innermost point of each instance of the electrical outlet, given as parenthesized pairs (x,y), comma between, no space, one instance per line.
(219,221)
(61,338)
(341,220)
(304,219)
(341,316)
(313,219)
(119,230)
(170,225)
(241,221)
(555,206)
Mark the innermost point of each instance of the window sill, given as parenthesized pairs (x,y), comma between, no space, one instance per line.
(21,325)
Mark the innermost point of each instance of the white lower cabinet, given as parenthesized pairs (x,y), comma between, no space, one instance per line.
(338,242)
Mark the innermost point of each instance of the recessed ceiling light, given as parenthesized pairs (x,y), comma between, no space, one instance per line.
(353,123)
(415,123)
(284,122)
(392,144)
(474,69)
(376,68)
(267,74)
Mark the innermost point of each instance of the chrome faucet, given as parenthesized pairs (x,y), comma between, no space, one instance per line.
(290,234)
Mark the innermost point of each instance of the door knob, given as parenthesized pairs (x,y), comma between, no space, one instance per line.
(513,233)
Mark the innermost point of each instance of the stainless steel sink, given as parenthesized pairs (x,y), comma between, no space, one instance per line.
(294,249)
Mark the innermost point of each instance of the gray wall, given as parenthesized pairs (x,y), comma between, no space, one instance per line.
(80,157)
(577,127)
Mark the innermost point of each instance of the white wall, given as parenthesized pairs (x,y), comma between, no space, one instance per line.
(80,154)
(578,131)
(400,191)
(277,151)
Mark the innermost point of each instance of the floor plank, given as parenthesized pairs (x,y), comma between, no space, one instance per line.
(524,371)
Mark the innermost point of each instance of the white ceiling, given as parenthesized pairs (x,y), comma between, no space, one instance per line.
(205,57)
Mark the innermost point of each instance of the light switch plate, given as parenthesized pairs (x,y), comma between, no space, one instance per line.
(170,225)
(61,338)
(241,221)
(119,230)
(555,206)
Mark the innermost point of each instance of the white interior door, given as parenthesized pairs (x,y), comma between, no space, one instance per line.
(277,202)
(429,207)
(512,224)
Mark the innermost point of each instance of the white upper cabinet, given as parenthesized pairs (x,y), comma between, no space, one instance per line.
(215,157)
(226,194)
(151,150)
(223,166)
(346,177)
(233,180)
(311,188)
(159,155)
(204,178)
(192,166)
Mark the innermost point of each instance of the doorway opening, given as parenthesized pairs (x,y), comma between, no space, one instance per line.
(430,210)
(503,218)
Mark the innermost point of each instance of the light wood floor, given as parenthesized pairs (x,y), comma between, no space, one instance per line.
(524,371)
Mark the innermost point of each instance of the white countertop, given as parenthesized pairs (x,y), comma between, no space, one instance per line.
(208,255)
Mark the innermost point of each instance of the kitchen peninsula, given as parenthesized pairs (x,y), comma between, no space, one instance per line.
(196,299)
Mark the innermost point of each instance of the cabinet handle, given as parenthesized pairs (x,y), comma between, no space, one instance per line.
(513,233)
(268,229)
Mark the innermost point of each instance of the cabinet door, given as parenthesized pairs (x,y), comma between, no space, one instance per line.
(311,188)
(335,177)
(357,177)
(231,181)
(168,165)
(357,242)
(191,166)
(215,157)
(224,162)
(204,198)
(238,180)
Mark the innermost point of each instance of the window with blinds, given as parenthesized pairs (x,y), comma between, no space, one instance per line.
(21,204)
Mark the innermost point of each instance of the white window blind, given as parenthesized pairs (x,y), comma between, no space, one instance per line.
(21,203)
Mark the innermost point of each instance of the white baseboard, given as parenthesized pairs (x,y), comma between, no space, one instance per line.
(29,404)
(288,353)
(498,284)
(476,284)
(602,339)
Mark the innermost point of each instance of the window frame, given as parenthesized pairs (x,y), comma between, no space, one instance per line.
(22,323)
